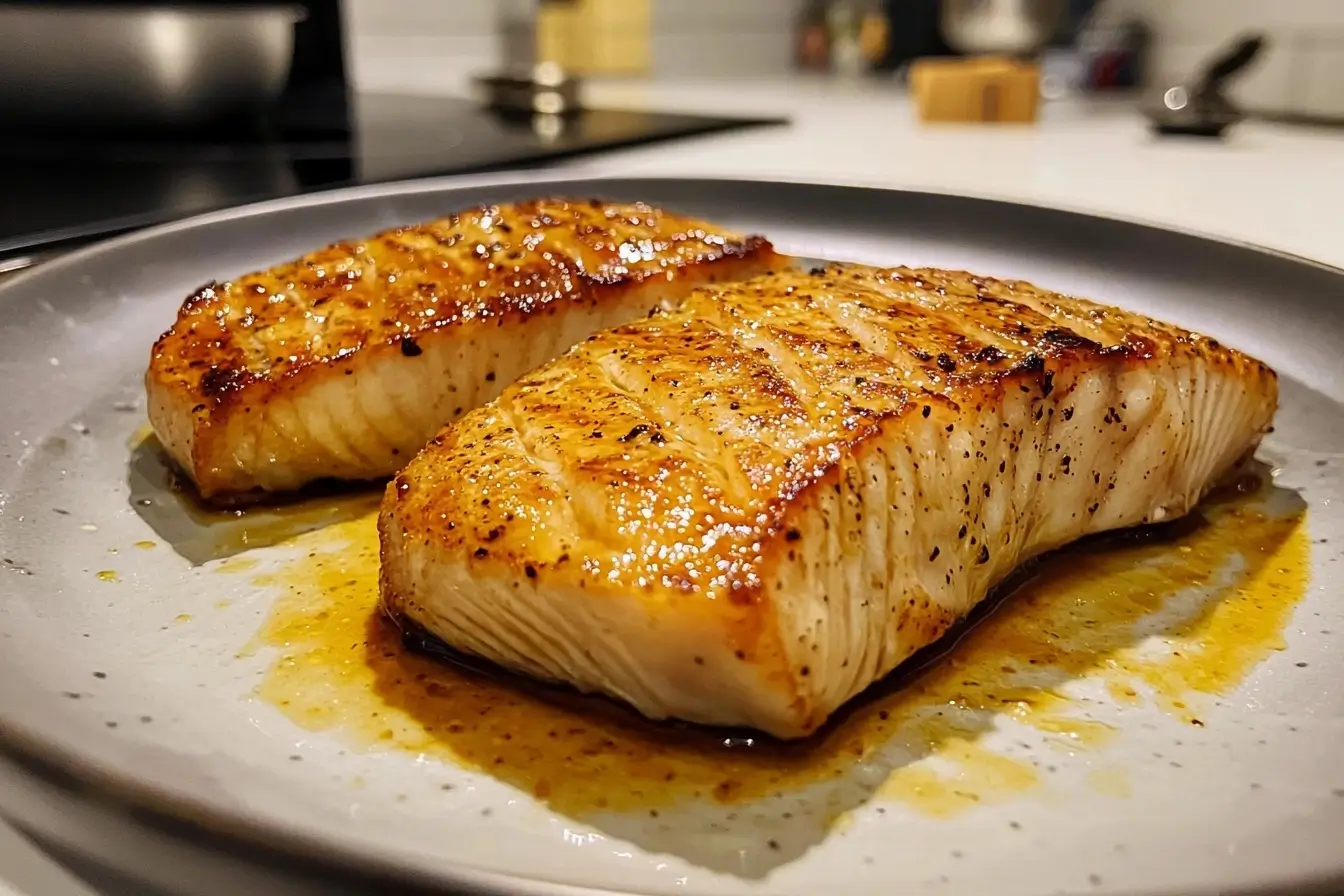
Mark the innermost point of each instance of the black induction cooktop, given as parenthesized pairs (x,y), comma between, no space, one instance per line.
(62,188)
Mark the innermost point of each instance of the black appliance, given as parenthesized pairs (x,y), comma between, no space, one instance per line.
(62,188)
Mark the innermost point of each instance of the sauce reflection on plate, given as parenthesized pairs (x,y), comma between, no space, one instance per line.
(1160,616)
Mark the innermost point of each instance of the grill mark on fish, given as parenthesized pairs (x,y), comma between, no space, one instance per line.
(872,517)
(453,308)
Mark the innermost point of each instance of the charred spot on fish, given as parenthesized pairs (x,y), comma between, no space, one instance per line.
(1062,338)
(945,363)
(989,354)
(490,376)
(817,272)
(1032,363)
(933,555)
(635,432)
(1048,384)
(983,556)
(410,348)
(530,571)
(1068,414)
(481,552)
(927,410)
(793,535)
(223,380)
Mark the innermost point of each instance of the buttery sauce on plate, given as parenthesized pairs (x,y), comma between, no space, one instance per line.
(1214,592)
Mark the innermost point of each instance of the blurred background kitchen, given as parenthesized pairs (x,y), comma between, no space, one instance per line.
(1218,115)
(1221,116)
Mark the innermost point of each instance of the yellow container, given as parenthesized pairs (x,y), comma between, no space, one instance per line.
(596,37)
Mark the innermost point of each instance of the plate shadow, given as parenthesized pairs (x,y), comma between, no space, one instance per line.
(201,534)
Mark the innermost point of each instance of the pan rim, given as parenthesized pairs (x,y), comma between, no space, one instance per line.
(170,812)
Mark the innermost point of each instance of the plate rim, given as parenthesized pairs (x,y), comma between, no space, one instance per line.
(167,812)
(409,186)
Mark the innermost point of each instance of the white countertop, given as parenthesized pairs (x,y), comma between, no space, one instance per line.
(1273,185)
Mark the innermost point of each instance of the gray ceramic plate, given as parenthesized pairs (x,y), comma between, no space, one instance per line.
(129,716)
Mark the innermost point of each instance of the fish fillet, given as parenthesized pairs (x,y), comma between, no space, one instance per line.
(343,363)
(746,511)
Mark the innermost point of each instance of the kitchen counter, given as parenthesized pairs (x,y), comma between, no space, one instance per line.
(1279,186)
(1273,185)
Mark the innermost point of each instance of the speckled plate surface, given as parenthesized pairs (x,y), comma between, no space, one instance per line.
(1195,748)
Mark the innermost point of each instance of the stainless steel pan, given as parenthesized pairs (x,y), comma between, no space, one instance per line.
(157,64)
(127,732)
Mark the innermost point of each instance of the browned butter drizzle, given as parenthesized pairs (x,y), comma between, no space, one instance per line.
(342,667)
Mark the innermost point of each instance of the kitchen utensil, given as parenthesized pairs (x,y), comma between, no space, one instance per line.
(149,65)
(1011,27)
(1202,108)
(129,728)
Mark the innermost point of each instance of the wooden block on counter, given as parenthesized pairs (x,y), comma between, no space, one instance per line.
(977,89)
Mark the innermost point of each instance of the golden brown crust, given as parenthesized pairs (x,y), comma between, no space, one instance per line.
(746,511)
(678,450)
(237,345)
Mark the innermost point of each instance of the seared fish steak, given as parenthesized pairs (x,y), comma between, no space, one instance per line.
(343,363)
(746,511)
